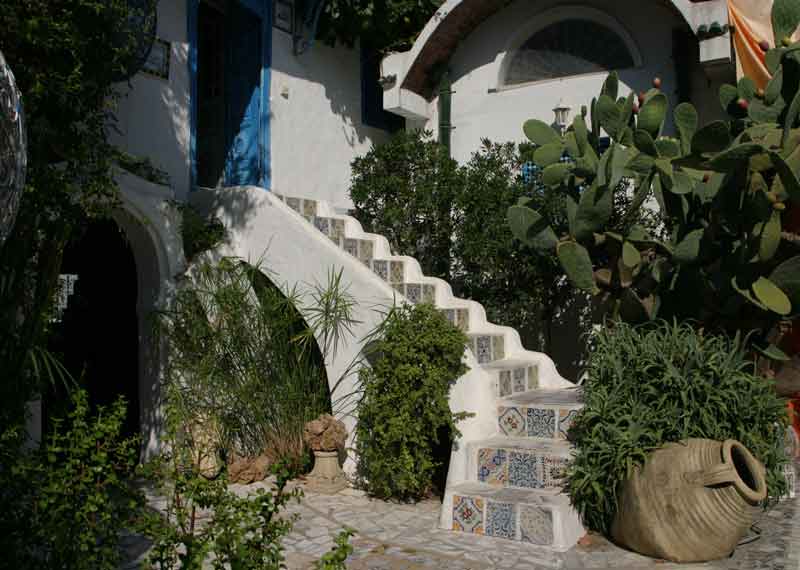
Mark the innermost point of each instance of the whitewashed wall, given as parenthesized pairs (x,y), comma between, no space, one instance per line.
(476,69)
(154,113)
(316,126)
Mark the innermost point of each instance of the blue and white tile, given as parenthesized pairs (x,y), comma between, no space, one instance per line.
(504,384)
(483,349)
(396,272)
(553,471)
(429,294)
(524,470)
(511,421)
(309,208)
(501,520)
(541,422)
(351,246)
(519,380)
(381,268)
(414,292)
(498,347)
(323,225)
(365,251)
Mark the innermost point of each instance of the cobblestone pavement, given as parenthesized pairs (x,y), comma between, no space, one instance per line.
(392,536)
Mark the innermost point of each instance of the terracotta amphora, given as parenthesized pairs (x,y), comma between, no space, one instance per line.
(692,501)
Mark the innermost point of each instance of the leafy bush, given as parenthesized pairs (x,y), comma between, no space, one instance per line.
(238,532)
(661,383)
(245,364)
(404,190)
(404,411)
(335,559)
(453,220)
(64,506)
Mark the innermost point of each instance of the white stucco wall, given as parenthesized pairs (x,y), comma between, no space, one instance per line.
(316,126)
(153,115)
(476,68)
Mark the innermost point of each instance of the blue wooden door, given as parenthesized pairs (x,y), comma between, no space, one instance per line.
(243,96)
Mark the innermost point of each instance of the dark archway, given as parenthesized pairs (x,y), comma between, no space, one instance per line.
(96,330)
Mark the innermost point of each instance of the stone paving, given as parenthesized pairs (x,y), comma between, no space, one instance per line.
(391,536)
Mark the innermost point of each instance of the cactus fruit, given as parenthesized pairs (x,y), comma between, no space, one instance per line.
(743,104)
(764,45)
(657,82)
(786,41)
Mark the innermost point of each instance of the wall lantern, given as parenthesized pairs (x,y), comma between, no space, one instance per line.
(13,149)
(561,112)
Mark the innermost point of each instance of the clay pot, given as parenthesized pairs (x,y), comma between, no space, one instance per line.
(693,501)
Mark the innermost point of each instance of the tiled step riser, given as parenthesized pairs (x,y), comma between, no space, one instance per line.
(488,348)
(513,521)
(535,422)
(520,468)
(513,381)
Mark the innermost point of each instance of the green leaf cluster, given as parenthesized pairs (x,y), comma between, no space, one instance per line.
(244,362)
(67,503)
(404,411)
(665,382)
(721,190)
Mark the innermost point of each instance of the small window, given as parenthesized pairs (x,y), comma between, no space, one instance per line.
(566,48)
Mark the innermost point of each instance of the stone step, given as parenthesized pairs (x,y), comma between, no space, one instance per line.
(530,516)
(537,415)
(519,462)
(487,347)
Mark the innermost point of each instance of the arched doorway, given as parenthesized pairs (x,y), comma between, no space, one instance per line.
(96,327)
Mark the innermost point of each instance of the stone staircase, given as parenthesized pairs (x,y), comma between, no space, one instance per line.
(511,486)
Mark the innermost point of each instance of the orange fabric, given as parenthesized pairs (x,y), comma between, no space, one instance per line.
(753,23)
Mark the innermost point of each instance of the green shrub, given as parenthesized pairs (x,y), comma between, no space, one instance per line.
(65,505)
(239,532)
(661,383)
(404,412)
(403,190)
(199,233)
(244,362)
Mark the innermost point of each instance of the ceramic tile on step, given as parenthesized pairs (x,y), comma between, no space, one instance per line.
(396,272)
(462,319)
(553,471)
(351,246)
(337,230)
(511,421)
(565,419)
(492,466)
(535,524)
(498,346)
(504,386)
(429,294)
(294,204)
(381,268)
(519,380)
(414,292)
(365,251)
(524,470)
(323,225)
(533,377)
(501,520)
(468,514)
(541,422)
(483,349)
(309,208)
(399,287)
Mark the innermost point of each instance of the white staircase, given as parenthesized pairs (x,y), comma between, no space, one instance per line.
(506,468)
(512,487)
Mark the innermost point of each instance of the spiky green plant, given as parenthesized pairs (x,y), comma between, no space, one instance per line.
(721,188)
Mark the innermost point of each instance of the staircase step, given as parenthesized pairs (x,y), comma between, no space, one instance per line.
(535,418)
(391,271)
(514,514)
(487,347)
(519,462)
(517,379)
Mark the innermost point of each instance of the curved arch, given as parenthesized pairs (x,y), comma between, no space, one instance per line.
(554,16)
(151,226)
(454,21)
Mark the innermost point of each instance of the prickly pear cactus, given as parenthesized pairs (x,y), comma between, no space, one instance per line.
(722,190)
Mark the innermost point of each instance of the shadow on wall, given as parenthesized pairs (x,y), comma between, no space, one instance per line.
(334,73)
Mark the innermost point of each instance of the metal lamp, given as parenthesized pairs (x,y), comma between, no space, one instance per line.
(561,112)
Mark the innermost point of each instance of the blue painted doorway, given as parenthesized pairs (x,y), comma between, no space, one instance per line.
(230,59)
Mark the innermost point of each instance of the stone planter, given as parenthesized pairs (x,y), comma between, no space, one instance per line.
(693,501)
(327,476)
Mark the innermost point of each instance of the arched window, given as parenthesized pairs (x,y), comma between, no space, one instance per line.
(565,48)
